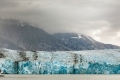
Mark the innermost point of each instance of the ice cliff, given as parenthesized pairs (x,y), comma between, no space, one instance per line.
(60,62)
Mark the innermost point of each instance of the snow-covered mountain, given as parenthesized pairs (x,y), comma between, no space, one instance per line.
(23,36)
(82,42)
(60,62)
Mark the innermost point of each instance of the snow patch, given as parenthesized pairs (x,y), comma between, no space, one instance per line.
(22,24)
(90,39)
(79,36)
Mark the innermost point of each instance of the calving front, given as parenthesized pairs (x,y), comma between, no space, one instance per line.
(60,62)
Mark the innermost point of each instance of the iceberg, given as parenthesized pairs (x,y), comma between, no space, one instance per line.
(60,62)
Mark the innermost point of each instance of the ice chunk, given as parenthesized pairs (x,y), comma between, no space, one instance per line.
(7,66)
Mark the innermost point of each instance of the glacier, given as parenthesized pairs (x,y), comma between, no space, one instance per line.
(60,62)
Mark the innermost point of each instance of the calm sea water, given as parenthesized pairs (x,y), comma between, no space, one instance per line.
(60,77)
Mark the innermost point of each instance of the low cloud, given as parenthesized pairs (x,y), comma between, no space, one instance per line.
(96,18)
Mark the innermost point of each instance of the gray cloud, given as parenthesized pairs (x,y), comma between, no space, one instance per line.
(96,18)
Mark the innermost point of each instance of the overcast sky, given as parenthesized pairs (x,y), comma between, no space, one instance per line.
(96,18)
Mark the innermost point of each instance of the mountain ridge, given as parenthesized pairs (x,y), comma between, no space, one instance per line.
(23,36)
(81,42)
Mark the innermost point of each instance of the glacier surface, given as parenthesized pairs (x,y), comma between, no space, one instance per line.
(60,62)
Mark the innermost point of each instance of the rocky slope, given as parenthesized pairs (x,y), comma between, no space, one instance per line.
(82,42)
(23,36)
(29,37)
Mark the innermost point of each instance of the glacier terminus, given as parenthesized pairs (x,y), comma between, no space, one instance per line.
(60,62)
